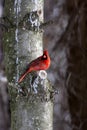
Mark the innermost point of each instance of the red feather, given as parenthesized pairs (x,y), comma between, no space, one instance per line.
(41,63)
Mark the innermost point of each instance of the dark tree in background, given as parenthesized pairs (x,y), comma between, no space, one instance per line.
(77,65)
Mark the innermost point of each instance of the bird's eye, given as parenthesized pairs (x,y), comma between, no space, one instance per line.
(44,56)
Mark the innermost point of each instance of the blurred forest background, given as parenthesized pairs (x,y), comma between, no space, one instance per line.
(65,38)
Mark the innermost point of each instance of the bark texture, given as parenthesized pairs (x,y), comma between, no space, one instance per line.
(31,107)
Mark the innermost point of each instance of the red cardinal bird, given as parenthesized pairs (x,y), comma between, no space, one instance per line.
(41,63)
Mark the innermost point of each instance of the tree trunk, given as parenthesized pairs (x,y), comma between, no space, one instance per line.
(31,106)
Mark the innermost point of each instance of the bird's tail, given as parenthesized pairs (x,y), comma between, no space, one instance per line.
(22,77)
